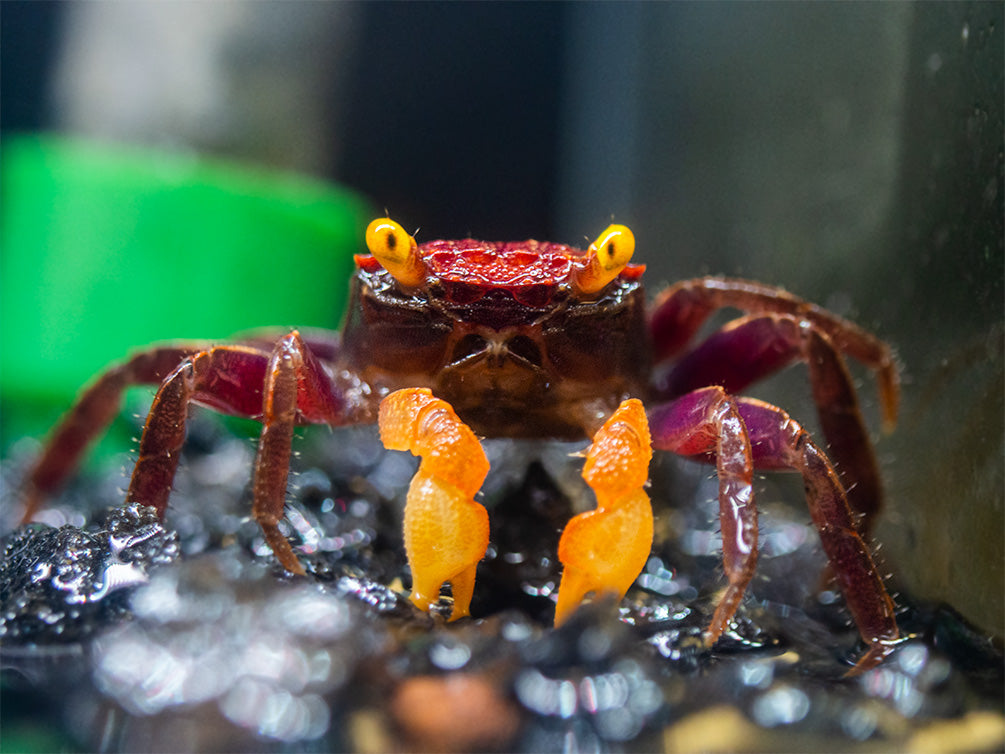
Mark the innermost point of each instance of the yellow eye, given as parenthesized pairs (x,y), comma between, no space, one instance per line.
(395,249)
(606,258)
(614,247)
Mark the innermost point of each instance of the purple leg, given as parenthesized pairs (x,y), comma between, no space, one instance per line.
(707,424)
(297,389)
(682,309)
(768,438)
(281,390)
(89,417)
(751,348)
(780,443)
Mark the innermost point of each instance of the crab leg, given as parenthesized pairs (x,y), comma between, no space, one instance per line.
(604,550)
(750,348)
(446,531)
(707,423)
(780,443)
(281,390)
(90,415)
(684,307)
(323,344)
(296,388)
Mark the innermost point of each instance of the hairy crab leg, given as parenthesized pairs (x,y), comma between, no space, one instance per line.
(683,308)
(296,387)
(90,415)
(281,390)
(446,531)
(288,387)
(164,431)
(780,443)
(604,550)
(707,423)
(847,437)
(752,347)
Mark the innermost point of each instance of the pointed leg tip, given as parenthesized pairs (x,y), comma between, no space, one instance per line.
(710,637)
(294,566)
(282,550)
(878,652)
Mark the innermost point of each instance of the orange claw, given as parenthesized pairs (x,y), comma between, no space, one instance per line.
(446,531)
(604,550)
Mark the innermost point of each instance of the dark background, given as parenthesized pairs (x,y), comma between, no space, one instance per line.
(850,152)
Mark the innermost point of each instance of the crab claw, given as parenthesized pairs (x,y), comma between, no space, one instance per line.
(397,252)
(604,550)
(446,531)
(606,258)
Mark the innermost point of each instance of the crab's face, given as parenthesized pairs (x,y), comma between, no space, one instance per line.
(502,331)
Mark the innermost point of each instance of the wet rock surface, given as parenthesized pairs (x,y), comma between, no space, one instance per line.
(63,584)
(120,633)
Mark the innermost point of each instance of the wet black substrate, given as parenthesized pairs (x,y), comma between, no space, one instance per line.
(122,634)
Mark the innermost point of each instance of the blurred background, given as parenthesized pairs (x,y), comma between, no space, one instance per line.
(852,153)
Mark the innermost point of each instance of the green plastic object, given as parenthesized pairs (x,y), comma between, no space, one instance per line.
(106,249)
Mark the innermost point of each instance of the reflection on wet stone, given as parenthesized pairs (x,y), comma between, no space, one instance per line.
(265,652)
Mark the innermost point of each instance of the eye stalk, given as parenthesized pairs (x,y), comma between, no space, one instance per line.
(606,258)
(395,249)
